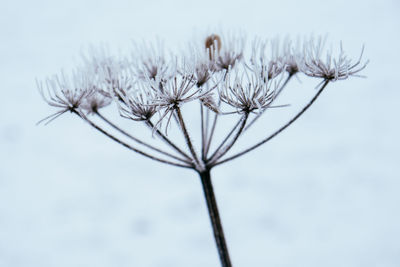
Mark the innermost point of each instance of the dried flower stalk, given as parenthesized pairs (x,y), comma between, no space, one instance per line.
(152,88)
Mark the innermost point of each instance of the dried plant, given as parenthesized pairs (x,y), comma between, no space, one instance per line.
(152,88)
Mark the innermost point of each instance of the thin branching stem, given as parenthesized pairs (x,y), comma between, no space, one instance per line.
(187,137)
(154,85)
(217,150)
(325,83)
(280,89)
(138,140)
(98,128)
(211,134)
(207,123)
(203,132)
(167,140)
(225,150)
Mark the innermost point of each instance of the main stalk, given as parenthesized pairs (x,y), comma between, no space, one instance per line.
(216,224)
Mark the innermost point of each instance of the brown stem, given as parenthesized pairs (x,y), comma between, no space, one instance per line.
(98,128)
(187,137)
(209,139)
(218,153)
(216,224)
(166,139)
(203,132)
(279,130)
(138,140)
(225,139)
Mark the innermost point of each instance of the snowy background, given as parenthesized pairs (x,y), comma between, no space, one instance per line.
(324,193)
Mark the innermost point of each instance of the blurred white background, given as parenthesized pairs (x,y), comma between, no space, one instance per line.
(324,193)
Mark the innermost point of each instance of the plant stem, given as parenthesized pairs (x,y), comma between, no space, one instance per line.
(216,224)
(220,154)
(203,133)
(138,140)
(168,141)
(187,137)
(225,139)
(325,83)
(112,137)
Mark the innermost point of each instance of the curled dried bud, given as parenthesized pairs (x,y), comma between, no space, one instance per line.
(213,44)
(209,102)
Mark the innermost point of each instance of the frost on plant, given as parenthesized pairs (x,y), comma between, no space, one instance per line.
(153,87)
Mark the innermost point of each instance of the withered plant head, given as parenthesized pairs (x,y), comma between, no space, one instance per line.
(248,91)
(66,92)
(323,64)
(149,60)
(217,76)
(153,87)
(137,103)
(232,49)
(95,101)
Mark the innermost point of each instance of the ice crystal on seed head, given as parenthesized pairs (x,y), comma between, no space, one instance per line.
(136,104)
(155,83)
(267,66)
(196,61)
(288,53)
(247,91)
(150,60)
(293,57)
(95,101)
(326,66)
(66,93)
(104,66)
(109,73)
(273,57)
(181,88)
(231,51)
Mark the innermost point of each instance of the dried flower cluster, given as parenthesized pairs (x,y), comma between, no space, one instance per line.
(152,86)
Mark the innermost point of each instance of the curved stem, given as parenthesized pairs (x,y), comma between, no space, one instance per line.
(127,145)
(279,130)
(138,140)
(279,91)
(166,139)
(215,219)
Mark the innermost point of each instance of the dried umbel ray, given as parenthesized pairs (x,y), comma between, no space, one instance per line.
(152,88)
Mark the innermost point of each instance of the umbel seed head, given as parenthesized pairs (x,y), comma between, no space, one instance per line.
(213,44)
